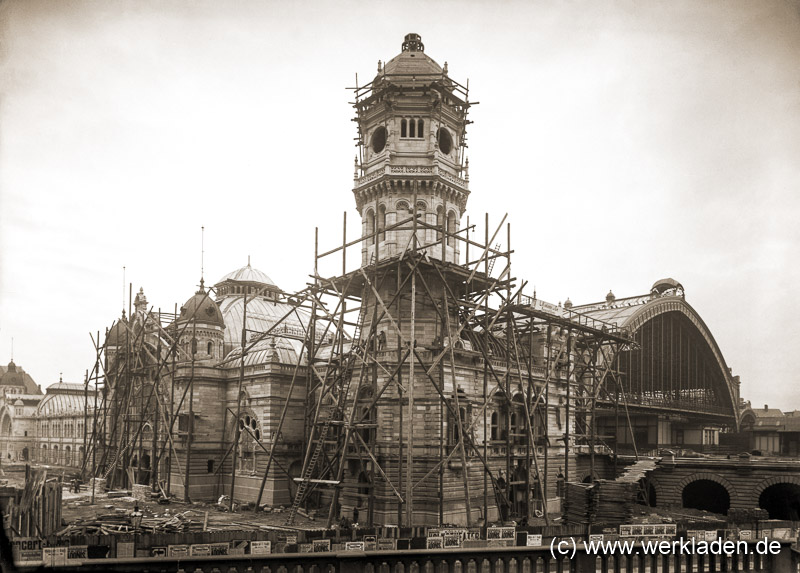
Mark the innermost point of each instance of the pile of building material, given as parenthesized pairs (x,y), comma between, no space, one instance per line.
(615,501)
(604,501)
(579,504)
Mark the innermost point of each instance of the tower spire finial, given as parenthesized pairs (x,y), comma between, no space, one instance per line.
(123,290)
(248,260)
(202,253)
(12,349)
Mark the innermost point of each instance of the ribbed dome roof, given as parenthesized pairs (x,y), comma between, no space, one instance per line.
(202,308)
(411,62)
(247,275)
(12,377)
(116,336)
(63,398)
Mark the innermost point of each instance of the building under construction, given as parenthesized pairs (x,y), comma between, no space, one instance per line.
(414,380)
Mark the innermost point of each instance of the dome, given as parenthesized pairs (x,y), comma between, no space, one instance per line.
(202,308)
(412,61)
(247,275)
(118,332)
(12,377)
(664,285)
(262,314)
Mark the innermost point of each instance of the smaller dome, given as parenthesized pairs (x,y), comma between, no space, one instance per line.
(202,308)
(247,275)
(567,303)
(12,377)
(667,285)
(610,297)
(117,335)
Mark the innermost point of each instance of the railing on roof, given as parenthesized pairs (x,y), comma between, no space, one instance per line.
(447,82)
(618,303)
(558,311)
(293,332)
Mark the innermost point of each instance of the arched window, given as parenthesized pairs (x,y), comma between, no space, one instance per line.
(420,127)
(370,226)
(249,432)
(495,428)
(403,128)
(210,348)
(439,222)
(451,228)
(411,128)
(381,222)
(67,456)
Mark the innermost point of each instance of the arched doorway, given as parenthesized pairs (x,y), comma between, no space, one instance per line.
(782,501)
(708,495)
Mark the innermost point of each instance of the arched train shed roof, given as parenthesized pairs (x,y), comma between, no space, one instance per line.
(634,312)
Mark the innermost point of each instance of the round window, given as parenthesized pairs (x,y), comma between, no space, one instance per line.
(379,139)
(445,141)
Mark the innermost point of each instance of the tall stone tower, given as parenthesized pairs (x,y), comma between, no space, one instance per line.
(411,124)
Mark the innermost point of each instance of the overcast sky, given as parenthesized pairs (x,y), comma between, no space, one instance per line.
(628,141)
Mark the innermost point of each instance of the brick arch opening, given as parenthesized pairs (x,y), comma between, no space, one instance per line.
(780,496)
(706,494)
(647,494)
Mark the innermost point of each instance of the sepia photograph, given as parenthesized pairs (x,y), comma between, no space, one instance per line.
(309,286)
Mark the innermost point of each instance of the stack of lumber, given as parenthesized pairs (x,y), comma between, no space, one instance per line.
(580,506)
(604,501)
(615,501)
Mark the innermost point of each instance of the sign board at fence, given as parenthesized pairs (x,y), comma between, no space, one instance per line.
(321,545)
(746,534)
(178,550)
(501,533)
(434,543)
(650,530)
(354,546)
(782,533)
(124,549)
(534,540)
(54,556)
(76,554)
(26,549)
(200,550)
(387,544)
(158,551)
(219,548)
(260,547)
